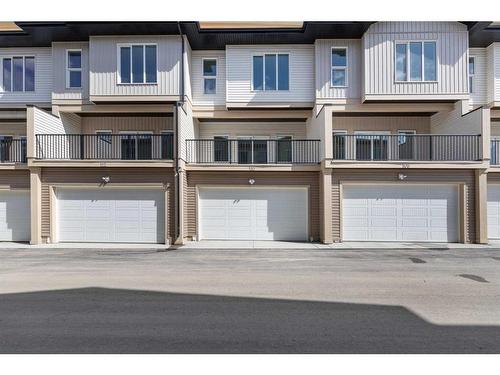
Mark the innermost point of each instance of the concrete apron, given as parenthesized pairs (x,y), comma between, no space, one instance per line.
(263,245)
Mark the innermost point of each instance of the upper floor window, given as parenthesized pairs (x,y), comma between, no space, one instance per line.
(209,76)
(18,73)
(339,67)
(416,61)
(137,63)
(270,72)
(74,69)
(472,69)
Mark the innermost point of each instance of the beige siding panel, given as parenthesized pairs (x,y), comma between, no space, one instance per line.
(199,98)
(59,59)
(310,179)
(419,123)
(104,66)
(126,123)
(323,64)
(186,128)
(15,179)
(452,46)
(465,177)
(232,130)
(16,129)
(137,176)
(47,123)
(479,84)
(188,70)
(239,74)
(43,76)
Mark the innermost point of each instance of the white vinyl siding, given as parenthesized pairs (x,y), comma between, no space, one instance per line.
(237,129)
(323,66)
(400,212)
(42,89)
(104,63)
(379,45)
(197,83)
(493,72)
(61,90)
(239,60)
(253,213)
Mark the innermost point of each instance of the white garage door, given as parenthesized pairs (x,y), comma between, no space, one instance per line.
(110,215)
(400,213)
(493,211)
(15,222)
(253,214)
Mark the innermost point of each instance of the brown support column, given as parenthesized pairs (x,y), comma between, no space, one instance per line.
(325,184)
(36,205)
(481,182)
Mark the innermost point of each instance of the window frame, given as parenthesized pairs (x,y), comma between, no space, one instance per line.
(263,55)
(118,64)
(68,69)
(345,68)
(422,61)
(470,76)
(11,58)
(209,77)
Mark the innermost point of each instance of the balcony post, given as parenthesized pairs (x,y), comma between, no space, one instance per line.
(36,205)
(481,181)
(325,204)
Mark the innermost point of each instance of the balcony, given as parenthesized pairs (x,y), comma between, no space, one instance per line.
(104,146)
(252,151)
(13,150)
(406,147)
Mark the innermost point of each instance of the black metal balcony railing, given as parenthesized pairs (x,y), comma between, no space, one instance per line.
(406,147)
(495,152)
(253,151)
(105,146)
(13,150)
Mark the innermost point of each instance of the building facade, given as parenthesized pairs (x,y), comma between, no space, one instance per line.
(167,132)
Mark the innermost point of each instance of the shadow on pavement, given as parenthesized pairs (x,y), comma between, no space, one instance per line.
(97,320)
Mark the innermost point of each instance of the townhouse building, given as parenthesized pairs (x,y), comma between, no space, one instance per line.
(166,132)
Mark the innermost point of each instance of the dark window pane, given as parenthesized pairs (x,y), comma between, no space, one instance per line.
(167,146)
(339,147)
(18,74)
(270,72)
(151,64)
(7,74)
(74,59)
(415,61)
(259,152)
(339,57)
(125,64)
(284,150)
(258,72)
(471,65)
(144,146)
(209,86)
(283,69)
(210,68)
(430,61)
(221,149)
(137,64)
(75,79)
(401,62)
(245,151)
(29,74)
(128,146)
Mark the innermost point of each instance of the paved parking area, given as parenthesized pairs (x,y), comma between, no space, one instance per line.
(139,300)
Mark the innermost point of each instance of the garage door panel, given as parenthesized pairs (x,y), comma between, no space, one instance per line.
(253,213)
(111,215)
(15,222)
(401,213)
(493,208)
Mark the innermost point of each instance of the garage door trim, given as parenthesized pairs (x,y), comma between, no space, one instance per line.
(54,235)
(7,189)
(277,187)
(461,204)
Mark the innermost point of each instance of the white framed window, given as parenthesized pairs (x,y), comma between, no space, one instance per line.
(271,72)
(18,73)
(137,63)
(415,61)
(472,71)
(209,67)
(73,68)
(339,67)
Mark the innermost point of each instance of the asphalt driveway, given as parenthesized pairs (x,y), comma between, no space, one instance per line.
(249,301)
